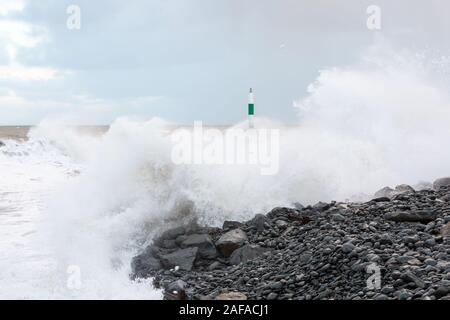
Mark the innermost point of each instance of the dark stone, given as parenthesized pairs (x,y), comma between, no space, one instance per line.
(337,217)
(411,216)
(272,296)
(231,225)
(442,182)
(347,247)
(322,206)
(172,234)
(204,243)
(230,241)
(408,277)
(403,188)
(2,144)
(441,292)
(258,222)
(385,192)
(176,290)
(183,258)
(381,199)
(168,244)
(246,253)
(281,212)
(144,264)
(298,206)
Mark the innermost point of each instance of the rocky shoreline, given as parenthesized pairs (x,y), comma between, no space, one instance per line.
(396,246)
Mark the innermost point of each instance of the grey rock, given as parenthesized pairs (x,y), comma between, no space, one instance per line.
(423,185)
(337,217)
(258,222)
(404,294)
(230,241)
(385,192)
(246,253)
(281,223)
(272,296)
(442,182)
(176,286)
(441,292)
(381,199)
(409,277)
(348,247)
(215,265)
(183,258)
(403,188)
(298,206)
(322,206)
(172,234)
(445,230)
(231,224)
(204,243)
(411,216)
(142,265)
(430,262)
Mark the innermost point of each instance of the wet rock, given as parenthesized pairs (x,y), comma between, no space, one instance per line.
(381,199)
(329,256)
(183,258)
(231,225)
(204,243)
(298,206)
(411,216)
(246,253)
(272,296)
(442,182)
(403,188)
(337,217)
(410,277)
(176,290)
(258,222)
(322,206)
(144,264)
(348,247)
(441,292)
(230,241)
(385,192)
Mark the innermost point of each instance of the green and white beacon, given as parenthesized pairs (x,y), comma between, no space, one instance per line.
(251,109)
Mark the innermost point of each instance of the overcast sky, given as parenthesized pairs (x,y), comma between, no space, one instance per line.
(186,60)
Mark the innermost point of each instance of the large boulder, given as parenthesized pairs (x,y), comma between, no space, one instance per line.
(2,144)
(229,224)
(259,221)
(385,192)
(172,234)
(403,188)
(143,264)
(442,182)
(423,185)
(183,258)
(411,216)
(230,241)
(246,253)
(204,243)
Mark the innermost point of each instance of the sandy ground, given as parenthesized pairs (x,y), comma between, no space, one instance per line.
(12,132)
